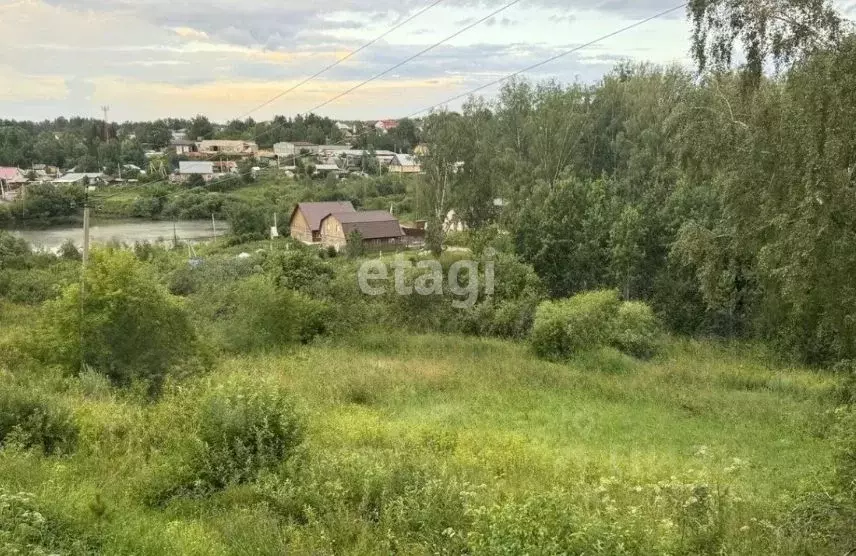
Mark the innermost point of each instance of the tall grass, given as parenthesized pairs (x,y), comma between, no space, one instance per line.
(426,444)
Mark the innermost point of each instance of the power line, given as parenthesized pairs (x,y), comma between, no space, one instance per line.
(552,58)
(340,60)
(518,72)
(403,62)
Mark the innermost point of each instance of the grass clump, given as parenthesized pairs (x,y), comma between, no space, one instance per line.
(245,429)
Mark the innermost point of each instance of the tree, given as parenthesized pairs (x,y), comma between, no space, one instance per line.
(443,135)
(126,325)
(200,127)
(780,31)
(157,134)
(355,247)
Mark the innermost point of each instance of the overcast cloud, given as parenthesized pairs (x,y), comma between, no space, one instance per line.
(157,58)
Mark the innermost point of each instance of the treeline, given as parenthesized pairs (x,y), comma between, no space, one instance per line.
(90,145)
(727,200)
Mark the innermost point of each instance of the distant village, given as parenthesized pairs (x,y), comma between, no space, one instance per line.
(213,159)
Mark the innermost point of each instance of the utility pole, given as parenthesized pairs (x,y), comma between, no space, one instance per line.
(85,260)
(106,110)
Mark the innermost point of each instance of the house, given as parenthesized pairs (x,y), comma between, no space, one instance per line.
(377,227)
(306,219)
(354,157)
(10,178)
(404,164)
(187,168)
(183,146)
(327,169)
(386,125)
(227,146)
(345,129)
(293,148)
(74,178)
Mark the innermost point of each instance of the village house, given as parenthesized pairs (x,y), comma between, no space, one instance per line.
(228,146)
(293,148)
(187,168)
(183,146)
(385,126)
(305,223)
(329,169)
(353,157)
(346,130)
(377,228)
(404,164)
(11,178)
(79,178)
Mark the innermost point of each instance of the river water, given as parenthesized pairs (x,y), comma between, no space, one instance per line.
(129,232)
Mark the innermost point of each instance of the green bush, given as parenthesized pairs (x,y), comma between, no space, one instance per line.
(565,327)
(132,328)
(299,268)
(14,251)
(35,421)
(261,315)
(244,429)
(636,330)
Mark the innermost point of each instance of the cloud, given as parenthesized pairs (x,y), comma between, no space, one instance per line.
(227,54)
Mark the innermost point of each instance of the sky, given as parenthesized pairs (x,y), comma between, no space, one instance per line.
(148,59)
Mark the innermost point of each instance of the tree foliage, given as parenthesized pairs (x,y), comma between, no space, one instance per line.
(124,323)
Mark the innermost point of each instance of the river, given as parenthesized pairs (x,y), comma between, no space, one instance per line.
(129,232)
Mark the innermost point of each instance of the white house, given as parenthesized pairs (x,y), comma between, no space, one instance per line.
(187,168)
(71,178)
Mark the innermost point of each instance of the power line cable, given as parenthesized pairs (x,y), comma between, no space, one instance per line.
(403,62)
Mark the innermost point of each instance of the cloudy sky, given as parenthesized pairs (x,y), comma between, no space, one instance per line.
(155,58)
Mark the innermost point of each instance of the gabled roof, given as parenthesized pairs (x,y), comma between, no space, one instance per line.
(11,174)
(372,224)
(314,213)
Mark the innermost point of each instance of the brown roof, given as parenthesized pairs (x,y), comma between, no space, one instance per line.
(372,224)
(314,213)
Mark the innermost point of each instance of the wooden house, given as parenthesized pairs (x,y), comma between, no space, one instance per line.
(306,219)
(378,228)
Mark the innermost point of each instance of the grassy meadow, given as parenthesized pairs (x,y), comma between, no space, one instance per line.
(443,444)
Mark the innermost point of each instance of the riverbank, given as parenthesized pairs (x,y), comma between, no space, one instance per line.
(128,231)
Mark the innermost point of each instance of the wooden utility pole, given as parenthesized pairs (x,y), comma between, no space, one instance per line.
(85,260)
(106,110)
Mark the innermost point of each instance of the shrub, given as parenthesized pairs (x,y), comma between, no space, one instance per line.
(35,421)
(299,268)
(132,328)
(636,329)
(567,326)
(68,251)
(264,316)
(245,429)
(14,251)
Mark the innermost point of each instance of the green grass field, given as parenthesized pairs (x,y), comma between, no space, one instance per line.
(443,444)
